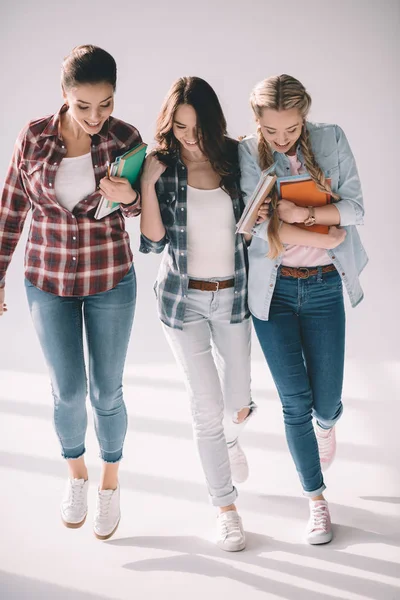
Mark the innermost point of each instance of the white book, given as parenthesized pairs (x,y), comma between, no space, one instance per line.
(250,212)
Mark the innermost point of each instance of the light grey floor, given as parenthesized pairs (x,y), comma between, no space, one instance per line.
(164,546)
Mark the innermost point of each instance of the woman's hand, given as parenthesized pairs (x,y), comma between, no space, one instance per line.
(335,237)
(263,211)
(118,190)
(289,212)
(3,305)
(153,169)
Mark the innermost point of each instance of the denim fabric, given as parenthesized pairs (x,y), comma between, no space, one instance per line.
(214,355)
(333,154)
(108,318)
(303,342)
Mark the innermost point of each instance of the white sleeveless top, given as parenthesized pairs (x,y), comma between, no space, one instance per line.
(74,180)
(210,233)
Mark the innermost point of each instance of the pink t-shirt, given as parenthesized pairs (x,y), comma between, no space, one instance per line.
(303,256)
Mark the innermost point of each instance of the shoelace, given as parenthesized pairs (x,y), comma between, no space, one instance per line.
(319,517)
(324,443)
(230,526)
(77,497)
(237,456)
(103,506)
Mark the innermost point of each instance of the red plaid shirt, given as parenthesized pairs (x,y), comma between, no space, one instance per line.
(68,253)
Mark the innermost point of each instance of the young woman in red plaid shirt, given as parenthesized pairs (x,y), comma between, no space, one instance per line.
(78,269)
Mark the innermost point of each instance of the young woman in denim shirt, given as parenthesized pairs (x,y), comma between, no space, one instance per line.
(190,203)
(296,277)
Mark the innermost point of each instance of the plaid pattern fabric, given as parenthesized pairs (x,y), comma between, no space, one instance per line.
(68,253)
(171,286)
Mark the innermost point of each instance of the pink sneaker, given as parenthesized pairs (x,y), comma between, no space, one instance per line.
(326,439)
(319,527)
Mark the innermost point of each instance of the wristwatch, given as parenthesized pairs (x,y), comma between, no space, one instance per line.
(311,217)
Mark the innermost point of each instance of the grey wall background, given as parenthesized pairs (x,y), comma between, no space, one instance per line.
(347,55)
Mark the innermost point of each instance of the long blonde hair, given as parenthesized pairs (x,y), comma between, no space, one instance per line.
(283,92)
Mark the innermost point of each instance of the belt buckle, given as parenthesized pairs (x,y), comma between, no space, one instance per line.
(306,272)
(217,286)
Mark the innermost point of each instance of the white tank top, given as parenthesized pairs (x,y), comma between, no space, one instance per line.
(210,233)
(74,180)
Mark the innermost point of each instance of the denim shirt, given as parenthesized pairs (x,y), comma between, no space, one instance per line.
(171,287)
(333,154)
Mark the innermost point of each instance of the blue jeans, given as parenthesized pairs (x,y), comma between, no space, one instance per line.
(108,320)
(303,343)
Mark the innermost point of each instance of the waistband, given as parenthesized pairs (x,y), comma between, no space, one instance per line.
(211,286)
(305,272)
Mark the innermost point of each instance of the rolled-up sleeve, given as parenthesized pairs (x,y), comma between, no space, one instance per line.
(147,245)
(351,204)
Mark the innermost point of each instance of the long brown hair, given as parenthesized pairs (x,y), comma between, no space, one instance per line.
(214,143)
(283,92)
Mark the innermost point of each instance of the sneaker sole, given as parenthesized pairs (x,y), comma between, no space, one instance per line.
(106,537)
(74,525)
(320,540)
(228,548)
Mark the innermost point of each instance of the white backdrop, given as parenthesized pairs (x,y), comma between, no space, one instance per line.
(346,54)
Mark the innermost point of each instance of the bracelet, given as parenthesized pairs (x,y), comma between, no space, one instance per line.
(311,217)
(133,201)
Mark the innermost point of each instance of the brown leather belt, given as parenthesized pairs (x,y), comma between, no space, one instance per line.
(211,286)
(304,272)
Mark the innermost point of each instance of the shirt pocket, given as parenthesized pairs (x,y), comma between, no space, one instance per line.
(330,166)
(32,173)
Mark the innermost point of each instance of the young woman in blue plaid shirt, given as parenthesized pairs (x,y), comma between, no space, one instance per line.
(191,201)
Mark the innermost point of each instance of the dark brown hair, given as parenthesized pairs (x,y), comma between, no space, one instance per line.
(88,64)
(211,124)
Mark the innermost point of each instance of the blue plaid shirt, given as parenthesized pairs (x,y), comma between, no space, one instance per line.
(171,287)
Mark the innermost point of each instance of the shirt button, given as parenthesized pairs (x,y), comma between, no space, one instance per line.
(183,168)
(182,188)
(333,257)
(55,164)
(182,254)
(276,266)
(182,209)
(74,258)
(73,237)
(182,230)
(63,147)
(95,166)
(235,291)
(343,274)
(50,184)
(271,285)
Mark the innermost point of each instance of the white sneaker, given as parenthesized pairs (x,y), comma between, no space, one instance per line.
(239,464)
(319,527)
(107,514)
(74,505)
(230,534)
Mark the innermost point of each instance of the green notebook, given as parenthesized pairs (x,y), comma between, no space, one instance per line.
(128,165)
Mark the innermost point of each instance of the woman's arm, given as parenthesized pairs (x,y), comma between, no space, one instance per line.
(289,234)
(151,225)
(14,207)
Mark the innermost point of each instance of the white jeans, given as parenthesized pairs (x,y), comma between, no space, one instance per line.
(215,357)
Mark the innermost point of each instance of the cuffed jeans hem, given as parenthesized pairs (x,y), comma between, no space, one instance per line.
(316,493)
(224,500)
(111,457)
(73,453)
(328,423)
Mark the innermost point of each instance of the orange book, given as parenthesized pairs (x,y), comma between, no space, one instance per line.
(302,190)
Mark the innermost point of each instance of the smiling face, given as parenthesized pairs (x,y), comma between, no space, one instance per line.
(185,127)
(281,128)
(90,105)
